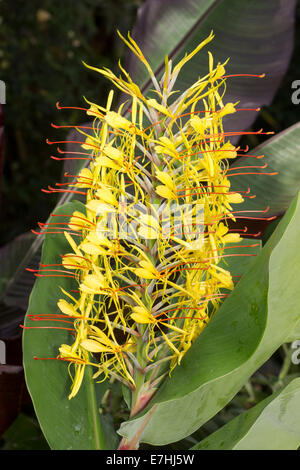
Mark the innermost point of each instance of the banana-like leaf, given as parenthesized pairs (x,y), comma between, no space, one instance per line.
(66,424)
(10,256)
(273,424)
(251,324)
(257,37)
(281,154)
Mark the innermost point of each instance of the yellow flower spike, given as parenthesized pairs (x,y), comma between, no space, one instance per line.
(154,286)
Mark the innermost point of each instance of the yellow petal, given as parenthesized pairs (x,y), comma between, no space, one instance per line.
(165,192)
(235,198)
(107,196)
(159,107)
(142,315)
(99,207)
(165,178)
(199,125)
(67,308)
(93,346)
(227,109)
(231,238)
(92,249)
(144,273)
(116,121)
(113,153)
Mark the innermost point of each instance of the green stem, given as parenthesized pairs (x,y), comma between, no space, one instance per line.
(100,440)
(139,376)
(286,363)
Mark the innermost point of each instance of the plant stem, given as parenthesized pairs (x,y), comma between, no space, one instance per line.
(139,376)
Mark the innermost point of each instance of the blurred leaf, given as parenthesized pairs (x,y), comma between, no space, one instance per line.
(273,424)
(295,334)
(15,296)
(66,424)
(281,153)
(10,256)
(249,327)
(24,434)
(256,36)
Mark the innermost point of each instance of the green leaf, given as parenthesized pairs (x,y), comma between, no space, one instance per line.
(236,264)
(251,324)
(256,36)
(66,424)
(24,434)
(10,256)
(273,424)
(281,153)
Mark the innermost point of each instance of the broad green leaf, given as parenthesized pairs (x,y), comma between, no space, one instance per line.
(281,154)
(66,424)
(273,424)
(251,324)
(256,36)
(234,262)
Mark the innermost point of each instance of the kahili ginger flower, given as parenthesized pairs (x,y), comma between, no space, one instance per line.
(149,245)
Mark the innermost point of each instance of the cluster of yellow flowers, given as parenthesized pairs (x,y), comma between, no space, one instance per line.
(154,227)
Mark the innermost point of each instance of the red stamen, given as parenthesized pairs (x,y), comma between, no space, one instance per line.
(45,327)
(69,158)
(262,75)
(72,142)
(77,108)
(55,190)
(74,127)
(76,153)
(244,167)
(74,217)
(259,173)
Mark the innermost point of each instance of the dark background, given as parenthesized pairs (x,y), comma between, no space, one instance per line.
(42,46)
